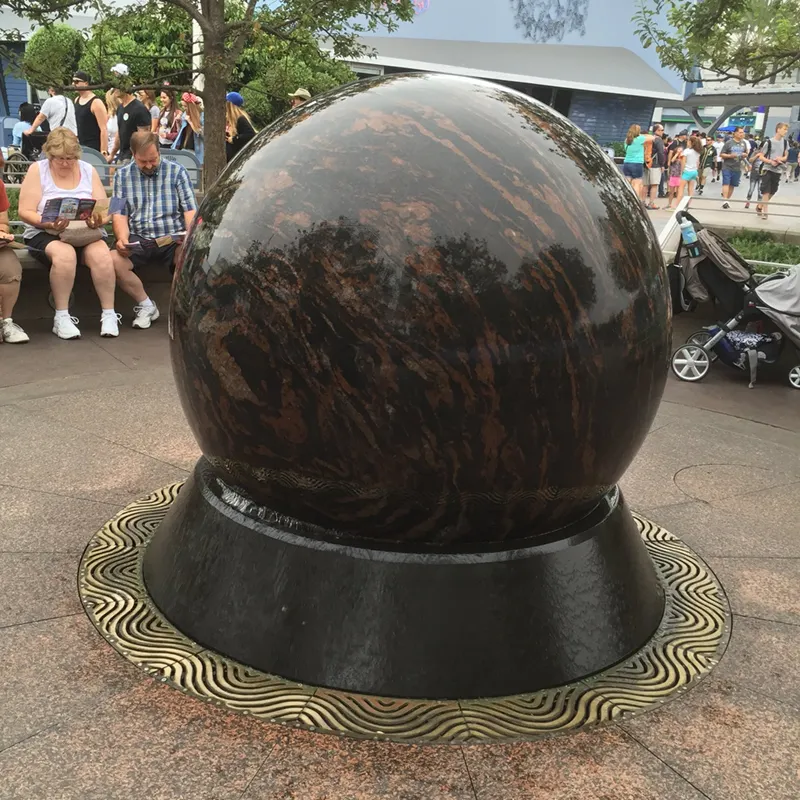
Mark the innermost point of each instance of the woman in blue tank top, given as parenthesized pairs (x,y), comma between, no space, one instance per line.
(633,165)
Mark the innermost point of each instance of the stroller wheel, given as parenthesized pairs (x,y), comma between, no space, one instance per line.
(690,362)
(700,338)
(794,377)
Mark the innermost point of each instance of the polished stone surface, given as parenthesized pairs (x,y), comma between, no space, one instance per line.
(422,309)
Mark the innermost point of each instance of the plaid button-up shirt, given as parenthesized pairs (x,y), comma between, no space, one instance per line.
(155,203)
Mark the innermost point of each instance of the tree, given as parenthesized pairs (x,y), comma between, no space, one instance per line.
(51,56)
(154,40)
(228,27)
(749,41)
(274,68)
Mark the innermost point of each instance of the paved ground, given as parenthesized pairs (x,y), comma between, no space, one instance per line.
(86,427)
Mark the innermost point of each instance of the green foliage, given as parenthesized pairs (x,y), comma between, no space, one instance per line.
(51,56)
(281,68)
(154,40)
(761,246)
(234,33)
(13,201)
(619,149)
(748,40)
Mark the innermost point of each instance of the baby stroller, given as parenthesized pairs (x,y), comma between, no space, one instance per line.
(721,274)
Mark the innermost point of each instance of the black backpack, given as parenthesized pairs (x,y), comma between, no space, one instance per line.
(769,147)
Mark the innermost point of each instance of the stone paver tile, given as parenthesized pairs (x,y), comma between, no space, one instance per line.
(715,531)
(763,656)
(778,506)
(677,446)
(46,356)
(153,422)
(148,743)
(730,743)
(41,453)
(719,483)
(765,588)
(602,764)
(37,586)
(322,767)
(140,350)
(53,670)
(45,523)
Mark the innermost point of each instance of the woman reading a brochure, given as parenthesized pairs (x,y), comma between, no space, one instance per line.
(64,207)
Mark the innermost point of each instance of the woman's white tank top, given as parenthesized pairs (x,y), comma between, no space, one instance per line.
(83,191)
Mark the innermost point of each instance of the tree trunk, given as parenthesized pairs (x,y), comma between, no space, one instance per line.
(214,104)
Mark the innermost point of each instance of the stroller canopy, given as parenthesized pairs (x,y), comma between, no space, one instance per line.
(779,299)
(719,272)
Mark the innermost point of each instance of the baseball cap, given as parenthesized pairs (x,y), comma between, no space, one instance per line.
(120,69)
(80,75)
(235,98)
(304,93)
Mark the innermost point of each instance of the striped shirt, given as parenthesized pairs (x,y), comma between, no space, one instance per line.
(155,203)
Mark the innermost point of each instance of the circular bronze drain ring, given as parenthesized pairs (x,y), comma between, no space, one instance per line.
(689,642)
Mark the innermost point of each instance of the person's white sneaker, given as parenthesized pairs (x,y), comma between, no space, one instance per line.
(12,333)
(66,327)
(145,316)
(109,324)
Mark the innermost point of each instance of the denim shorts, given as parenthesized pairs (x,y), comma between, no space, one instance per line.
(632,171)
(731,177)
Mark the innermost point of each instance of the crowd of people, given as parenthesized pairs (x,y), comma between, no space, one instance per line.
(107,124)
(659,166)
(152,202)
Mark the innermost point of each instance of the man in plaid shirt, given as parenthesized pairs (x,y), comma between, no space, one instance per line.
(152,206)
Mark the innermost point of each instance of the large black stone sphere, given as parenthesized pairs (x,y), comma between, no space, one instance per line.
(421,310)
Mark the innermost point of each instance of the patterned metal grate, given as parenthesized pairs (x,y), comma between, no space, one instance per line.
(688,644)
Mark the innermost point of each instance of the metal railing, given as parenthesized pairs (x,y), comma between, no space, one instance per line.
(670,233)
(17,165)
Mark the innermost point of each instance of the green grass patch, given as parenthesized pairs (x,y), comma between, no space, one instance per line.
(13,198)
(760,246)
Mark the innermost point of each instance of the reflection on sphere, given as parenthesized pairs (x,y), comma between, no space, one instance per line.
(423,310)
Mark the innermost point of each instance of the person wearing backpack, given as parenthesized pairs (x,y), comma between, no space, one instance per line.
(91,115)
(57,111)
(755,178)
(773,155)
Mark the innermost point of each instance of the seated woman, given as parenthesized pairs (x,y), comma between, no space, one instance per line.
(10,277)
(63,244)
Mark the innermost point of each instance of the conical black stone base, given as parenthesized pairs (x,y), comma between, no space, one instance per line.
(455,625)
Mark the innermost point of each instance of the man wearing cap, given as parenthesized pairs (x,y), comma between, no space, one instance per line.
(57,110)
(132,115)
(90,115)
(299,97)
(678,144)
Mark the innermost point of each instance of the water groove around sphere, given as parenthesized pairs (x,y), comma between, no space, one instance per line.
(421,309)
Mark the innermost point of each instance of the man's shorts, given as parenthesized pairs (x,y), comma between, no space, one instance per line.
(770,182)
(731,177)
(653,176)
(160,256)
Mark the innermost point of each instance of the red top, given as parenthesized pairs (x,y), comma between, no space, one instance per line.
(4,204)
